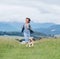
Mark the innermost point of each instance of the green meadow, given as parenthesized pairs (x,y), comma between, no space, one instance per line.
(43,49)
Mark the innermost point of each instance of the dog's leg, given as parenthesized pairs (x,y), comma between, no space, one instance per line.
(29,44)
(32,44)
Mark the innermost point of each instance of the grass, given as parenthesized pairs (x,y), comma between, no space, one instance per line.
(43,49)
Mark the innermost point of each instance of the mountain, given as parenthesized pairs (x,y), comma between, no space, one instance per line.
(52,30)
(41,25)
(10,26)
(45,28)
(17,26)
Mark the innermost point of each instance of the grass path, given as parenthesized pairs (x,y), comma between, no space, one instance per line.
(43,49)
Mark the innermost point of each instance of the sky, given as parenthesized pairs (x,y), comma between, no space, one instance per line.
(40,11)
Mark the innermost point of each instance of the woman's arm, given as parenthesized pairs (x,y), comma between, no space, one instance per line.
(22,29)
(31,31)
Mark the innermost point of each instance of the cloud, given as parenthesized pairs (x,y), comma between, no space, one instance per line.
(37,10)
(16,12)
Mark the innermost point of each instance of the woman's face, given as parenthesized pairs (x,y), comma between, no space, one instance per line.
(27,21)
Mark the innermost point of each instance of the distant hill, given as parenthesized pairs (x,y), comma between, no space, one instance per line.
(53,30)
(44,28)
(41,25)
(10,26)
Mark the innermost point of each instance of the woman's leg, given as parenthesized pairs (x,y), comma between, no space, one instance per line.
(26,36)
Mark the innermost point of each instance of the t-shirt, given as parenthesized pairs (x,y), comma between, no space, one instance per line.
(26,28)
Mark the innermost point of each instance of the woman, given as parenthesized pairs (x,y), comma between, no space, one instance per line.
(27,31)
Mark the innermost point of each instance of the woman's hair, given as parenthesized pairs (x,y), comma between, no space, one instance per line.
(28,19)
